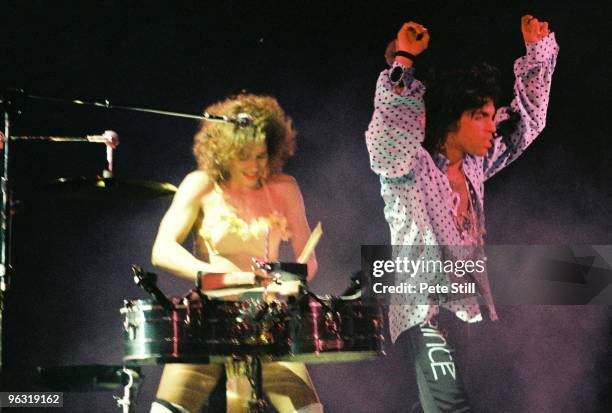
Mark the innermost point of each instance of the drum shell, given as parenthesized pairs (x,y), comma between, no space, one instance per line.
(362,324)
(248,327)
(151,334)
(203,331)
(335,330)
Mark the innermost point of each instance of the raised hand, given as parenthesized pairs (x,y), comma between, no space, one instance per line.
(412,38)
(533,30)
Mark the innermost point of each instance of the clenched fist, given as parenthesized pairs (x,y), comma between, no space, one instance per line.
(533,30)
(412,38)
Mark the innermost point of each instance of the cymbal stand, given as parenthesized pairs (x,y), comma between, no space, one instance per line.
(130,391)
(257,404)
(8,106)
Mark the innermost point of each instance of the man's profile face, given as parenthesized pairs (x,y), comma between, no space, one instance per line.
(474,132)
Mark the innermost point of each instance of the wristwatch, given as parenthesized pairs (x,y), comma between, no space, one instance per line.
(401,75)
(396,75)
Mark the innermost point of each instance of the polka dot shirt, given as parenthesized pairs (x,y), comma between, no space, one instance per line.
(414,185)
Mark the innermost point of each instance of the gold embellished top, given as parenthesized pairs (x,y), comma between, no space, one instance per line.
(222,231)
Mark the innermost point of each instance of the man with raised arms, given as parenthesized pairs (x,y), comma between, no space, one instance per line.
(432,176)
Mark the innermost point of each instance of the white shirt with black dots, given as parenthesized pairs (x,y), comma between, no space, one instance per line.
(415,187)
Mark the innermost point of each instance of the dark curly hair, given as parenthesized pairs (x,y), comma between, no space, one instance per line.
(216,144)
(450,93)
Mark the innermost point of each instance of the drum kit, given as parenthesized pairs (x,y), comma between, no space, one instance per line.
(304,328)
(200,328)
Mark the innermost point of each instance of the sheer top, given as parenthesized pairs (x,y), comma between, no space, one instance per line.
(223,230)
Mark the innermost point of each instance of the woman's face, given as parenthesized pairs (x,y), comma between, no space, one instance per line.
(249,171)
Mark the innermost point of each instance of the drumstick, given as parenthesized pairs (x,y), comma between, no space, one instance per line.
(285,288)
(312,242)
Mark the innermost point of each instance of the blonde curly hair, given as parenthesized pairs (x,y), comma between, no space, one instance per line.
(216,144)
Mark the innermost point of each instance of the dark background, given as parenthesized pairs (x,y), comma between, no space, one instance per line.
(321,60)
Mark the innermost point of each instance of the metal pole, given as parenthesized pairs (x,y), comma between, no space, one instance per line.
(5,216)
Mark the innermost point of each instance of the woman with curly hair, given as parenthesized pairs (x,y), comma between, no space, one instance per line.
(241,206)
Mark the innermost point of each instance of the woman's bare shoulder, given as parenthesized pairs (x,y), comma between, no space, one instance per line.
(195,185)
(286,188)
(282,180)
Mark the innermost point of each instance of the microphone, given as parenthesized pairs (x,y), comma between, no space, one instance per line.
(111,140)
(241,120)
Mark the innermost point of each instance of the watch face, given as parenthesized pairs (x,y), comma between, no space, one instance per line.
(396,75)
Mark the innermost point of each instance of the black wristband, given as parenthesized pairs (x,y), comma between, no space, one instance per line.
(405,54)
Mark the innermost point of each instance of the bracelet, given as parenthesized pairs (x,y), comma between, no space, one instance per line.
(403,53)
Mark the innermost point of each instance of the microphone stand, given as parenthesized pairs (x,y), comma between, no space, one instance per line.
(240,120)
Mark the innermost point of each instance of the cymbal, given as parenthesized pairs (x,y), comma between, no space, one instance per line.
(93,377)
(99,188)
